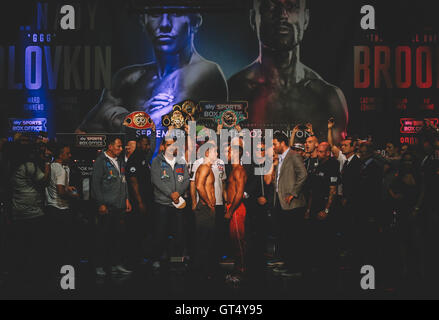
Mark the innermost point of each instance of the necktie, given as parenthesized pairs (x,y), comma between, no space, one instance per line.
(345,166)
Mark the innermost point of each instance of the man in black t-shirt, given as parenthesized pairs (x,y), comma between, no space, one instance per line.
(139,174)
(323,191)
(140,190)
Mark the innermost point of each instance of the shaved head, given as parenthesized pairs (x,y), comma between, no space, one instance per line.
(324,151)
(280,24)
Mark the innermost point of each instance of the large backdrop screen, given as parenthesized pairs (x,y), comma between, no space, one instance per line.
(83,65)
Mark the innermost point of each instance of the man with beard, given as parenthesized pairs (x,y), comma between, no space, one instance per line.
(280,89)
(178,74)
(289,203)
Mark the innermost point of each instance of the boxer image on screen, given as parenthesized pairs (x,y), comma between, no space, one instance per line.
(178,73)
(280,89)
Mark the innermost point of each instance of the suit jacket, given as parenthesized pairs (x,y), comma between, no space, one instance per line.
(350,177)
(292,178)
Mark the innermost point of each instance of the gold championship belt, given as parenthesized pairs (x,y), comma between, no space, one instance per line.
(190,107)
(178,118)
(229,119)
(138,120)
(229,114)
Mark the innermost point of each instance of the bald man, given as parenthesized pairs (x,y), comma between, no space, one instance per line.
(323,184)
(279,88)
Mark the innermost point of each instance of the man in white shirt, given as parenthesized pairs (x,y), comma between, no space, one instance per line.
(59,193)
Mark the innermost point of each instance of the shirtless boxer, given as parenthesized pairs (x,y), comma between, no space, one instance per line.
(178,74)
(205,211)
(280,89)
(236,210)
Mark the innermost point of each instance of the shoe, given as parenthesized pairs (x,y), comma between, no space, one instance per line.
(291,275)
(275,264)
(235,281)
(280,270)
(100,272)
(119,269)
(156,265)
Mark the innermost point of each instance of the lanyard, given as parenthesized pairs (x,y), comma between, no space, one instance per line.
(113,163)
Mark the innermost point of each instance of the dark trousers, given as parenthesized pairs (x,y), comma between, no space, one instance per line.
(111,239)
(291,229)
(321,239)
(205,239)
(257,233)
(3,233)
(139,235)
(27,244)
(222,238)
(367,242)
(221,233)
(190,230)
(62,232)
(168,224)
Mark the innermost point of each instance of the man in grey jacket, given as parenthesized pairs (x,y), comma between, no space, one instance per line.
(290,205)
(109,190)
(170,178)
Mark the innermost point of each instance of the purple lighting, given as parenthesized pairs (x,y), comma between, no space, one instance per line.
(33,67)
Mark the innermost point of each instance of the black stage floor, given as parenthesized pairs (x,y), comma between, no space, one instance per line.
(176,282)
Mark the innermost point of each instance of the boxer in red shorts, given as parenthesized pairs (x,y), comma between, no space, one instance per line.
(236,210)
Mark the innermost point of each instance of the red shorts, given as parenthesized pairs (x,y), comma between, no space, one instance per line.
(237,234)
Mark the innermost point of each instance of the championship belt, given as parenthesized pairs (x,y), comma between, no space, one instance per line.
(228,119)
(138,120)
(190,108)
(228,114)
(177,118)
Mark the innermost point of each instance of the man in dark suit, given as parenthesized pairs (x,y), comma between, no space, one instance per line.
(289,204)
(350,172)
(367,217)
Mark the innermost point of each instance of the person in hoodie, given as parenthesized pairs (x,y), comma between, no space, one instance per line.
(170,179)
(110,191)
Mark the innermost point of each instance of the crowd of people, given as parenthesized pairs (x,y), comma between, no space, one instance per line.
(327,203)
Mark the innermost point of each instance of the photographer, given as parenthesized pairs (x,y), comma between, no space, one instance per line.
(3,170)
(29,228)
(3,199)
